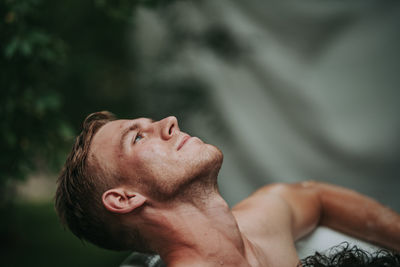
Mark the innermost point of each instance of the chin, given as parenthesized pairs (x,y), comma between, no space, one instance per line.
(219,155)
(202,172)
(215,158)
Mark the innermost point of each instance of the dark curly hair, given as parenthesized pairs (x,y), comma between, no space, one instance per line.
(347,256)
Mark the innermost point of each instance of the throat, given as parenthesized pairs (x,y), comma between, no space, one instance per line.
(210,249)
(205,235)
(224,255)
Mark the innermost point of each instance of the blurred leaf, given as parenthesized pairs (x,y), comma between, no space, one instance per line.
(11,47)
(26,48)
(66,131)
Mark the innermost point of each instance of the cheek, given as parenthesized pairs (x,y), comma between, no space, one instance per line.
(150,155)
(153,160)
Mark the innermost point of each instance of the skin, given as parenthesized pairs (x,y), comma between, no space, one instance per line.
(170,192)
(155,158)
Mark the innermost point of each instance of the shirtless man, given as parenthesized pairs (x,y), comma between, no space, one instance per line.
(147,186)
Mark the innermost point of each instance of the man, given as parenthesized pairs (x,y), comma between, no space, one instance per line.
(145,185)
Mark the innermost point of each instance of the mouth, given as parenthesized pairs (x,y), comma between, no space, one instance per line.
(184,140)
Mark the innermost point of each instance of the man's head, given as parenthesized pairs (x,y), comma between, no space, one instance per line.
(117,167)
(152,157)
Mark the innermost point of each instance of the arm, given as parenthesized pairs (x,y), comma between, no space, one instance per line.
(313,203)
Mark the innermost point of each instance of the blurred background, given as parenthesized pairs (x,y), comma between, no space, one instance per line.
(289,90)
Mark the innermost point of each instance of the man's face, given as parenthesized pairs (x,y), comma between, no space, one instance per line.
(155,156)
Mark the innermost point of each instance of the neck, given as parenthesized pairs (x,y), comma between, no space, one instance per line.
(195,233)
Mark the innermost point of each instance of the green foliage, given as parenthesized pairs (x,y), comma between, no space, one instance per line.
(32,128)
(34,237)
(59,62)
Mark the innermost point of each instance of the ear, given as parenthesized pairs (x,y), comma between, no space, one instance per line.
(120,200)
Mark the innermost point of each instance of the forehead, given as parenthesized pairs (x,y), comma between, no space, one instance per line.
(109,132)
(105,143)
(117,127)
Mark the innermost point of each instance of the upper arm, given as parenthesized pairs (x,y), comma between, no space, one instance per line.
(282,208)
(278,209)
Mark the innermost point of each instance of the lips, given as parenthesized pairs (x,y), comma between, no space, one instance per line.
(184,140)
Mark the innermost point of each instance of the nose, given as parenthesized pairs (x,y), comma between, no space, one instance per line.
(169,126)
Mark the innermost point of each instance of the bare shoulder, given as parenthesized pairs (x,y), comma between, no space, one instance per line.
(279,210)
(263,212)
(266,219)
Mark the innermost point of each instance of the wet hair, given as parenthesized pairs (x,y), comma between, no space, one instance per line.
(78,199)
(343,255)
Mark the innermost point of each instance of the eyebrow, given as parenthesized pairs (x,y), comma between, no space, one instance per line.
(133,127)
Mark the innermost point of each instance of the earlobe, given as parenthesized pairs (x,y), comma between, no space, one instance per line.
(119,200)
